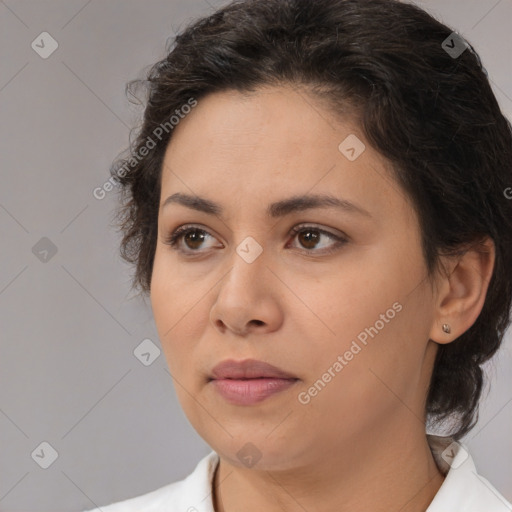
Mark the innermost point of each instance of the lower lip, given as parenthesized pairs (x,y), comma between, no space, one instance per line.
(250,391)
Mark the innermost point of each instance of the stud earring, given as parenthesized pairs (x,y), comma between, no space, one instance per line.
(446,328)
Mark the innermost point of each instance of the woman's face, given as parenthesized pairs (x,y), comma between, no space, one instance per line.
(350,320)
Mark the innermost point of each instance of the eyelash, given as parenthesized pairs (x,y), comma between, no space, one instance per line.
(174,238)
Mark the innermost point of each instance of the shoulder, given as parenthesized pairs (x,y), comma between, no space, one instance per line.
(192,494)
(463,488)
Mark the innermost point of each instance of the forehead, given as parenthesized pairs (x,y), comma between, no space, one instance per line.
(276,119)
(241,148)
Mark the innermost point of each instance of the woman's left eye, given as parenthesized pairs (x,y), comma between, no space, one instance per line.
(309,237)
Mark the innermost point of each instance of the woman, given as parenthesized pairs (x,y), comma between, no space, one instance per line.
(316,204)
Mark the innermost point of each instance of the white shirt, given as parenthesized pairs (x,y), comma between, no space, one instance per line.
(463,490)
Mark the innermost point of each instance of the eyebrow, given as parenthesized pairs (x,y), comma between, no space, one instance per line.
(274,210)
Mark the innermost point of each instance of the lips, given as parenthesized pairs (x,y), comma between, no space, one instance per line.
(249,382)
(248,369)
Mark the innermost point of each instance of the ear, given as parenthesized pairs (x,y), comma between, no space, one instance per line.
(462,291)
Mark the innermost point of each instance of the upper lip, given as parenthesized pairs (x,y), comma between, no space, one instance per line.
(248,369)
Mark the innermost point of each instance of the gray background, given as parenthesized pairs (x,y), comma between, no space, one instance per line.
(69,325)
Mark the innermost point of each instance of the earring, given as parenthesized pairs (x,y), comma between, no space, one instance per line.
(446,328)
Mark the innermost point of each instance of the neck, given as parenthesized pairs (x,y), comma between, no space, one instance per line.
(378,471)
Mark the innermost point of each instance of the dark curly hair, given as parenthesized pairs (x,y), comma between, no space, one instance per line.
(428,110)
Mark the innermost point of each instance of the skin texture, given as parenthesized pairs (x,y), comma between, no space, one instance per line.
(360,443)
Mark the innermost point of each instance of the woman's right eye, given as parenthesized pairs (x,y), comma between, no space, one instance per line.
(192,236)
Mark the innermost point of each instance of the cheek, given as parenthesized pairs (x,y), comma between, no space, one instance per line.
(352,385)
(173,292)
(335,306)
(372,320)
(176,307)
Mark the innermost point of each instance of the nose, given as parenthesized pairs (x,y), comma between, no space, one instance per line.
(248,299)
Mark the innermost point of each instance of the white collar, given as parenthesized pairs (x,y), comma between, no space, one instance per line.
(463,490)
